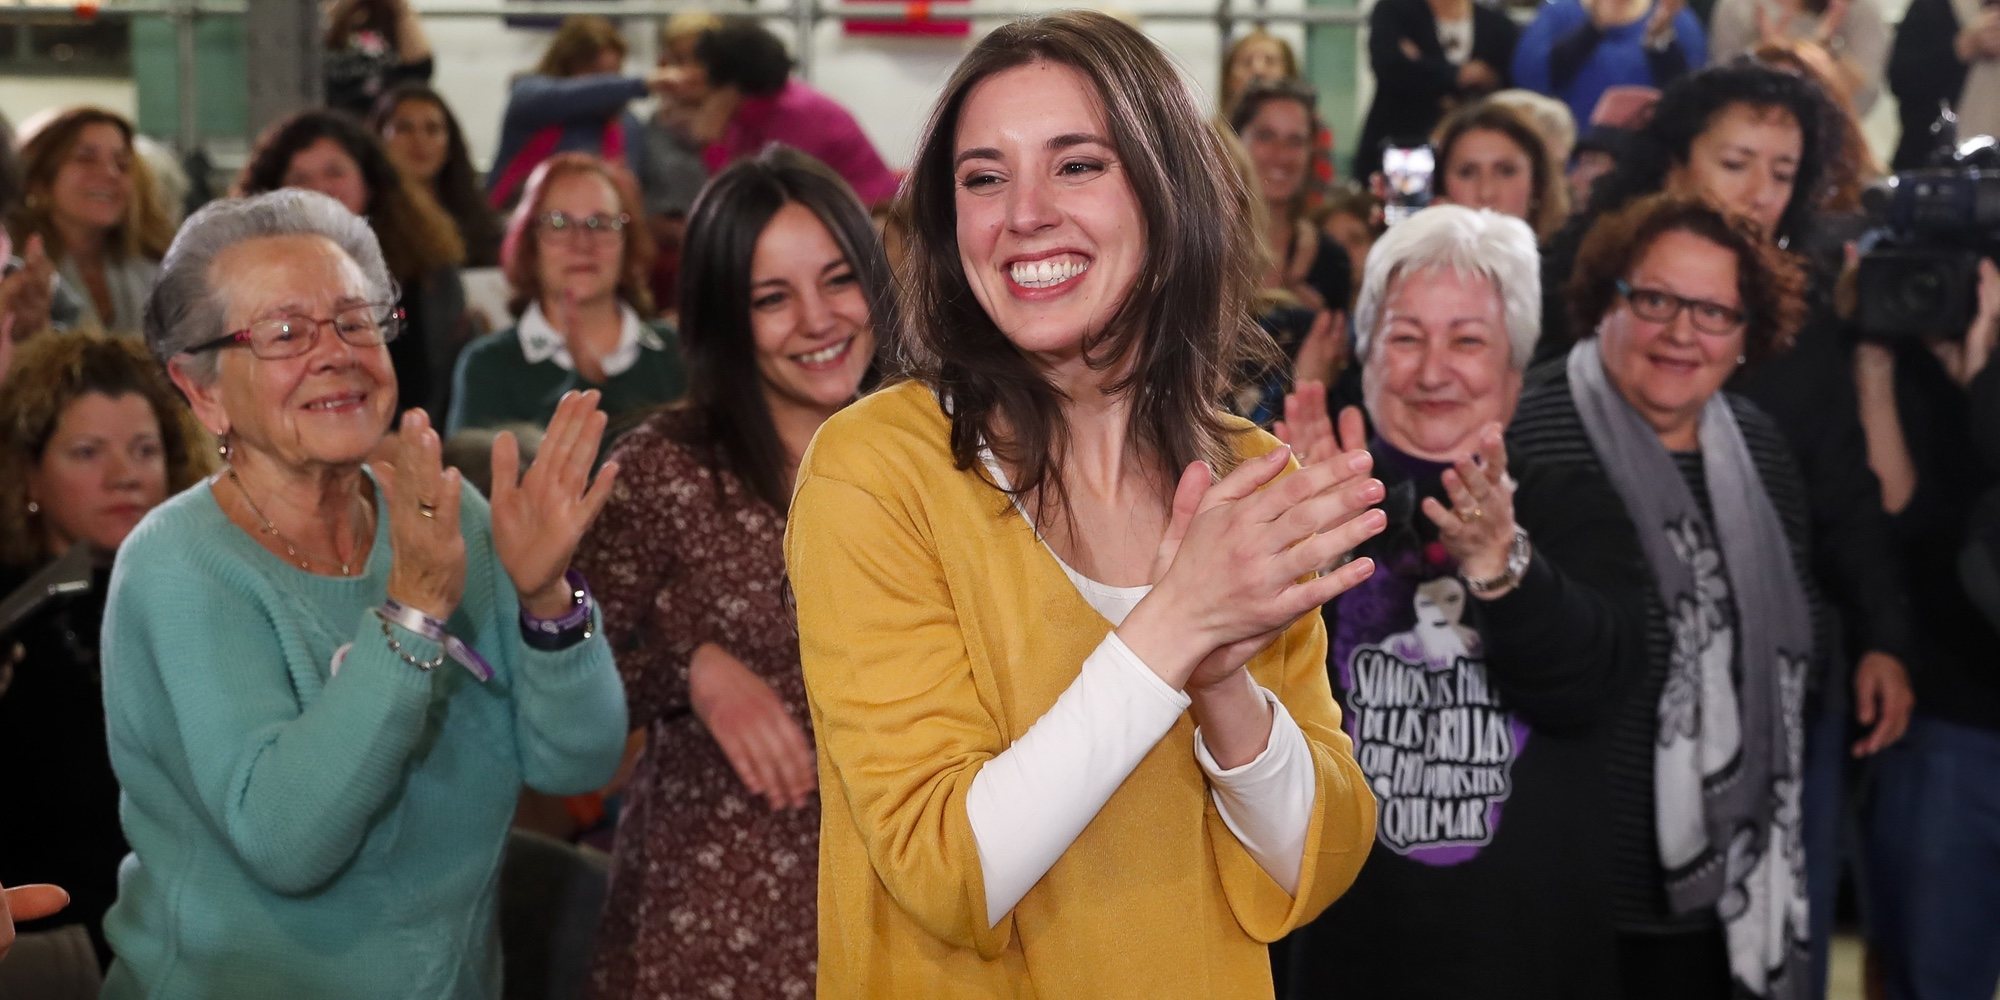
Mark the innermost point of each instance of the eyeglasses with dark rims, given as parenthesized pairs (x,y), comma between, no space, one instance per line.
(1657,305)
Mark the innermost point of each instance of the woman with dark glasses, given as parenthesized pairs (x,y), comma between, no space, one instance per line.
(1678,510)
(577,253)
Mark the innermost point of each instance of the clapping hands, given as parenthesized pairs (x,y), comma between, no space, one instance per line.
(1242,558)
(1478,528)
(539,517)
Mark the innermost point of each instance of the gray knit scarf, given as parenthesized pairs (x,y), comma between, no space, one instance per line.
(1726,757)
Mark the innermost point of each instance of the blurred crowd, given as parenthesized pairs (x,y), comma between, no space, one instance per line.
(1681,605)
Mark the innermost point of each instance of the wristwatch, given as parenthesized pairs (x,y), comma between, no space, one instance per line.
(1517,567)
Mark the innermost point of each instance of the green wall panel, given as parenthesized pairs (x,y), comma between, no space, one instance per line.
(221,98)
(1334,61)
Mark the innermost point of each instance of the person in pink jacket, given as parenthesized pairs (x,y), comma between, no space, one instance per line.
(742,78)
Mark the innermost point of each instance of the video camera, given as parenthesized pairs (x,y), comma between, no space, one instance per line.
(1920,277)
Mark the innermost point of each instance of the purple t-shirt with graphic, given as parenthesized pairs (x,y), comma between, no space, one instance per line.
(1429,731)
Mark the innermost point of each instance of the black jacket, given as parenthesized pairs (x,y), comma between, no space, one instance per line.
(1924,72)
(1603,608)
(58,796)
(1809,392)
(1411,95)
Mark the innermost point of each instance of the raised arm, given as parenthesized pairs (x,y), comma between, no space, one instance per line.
(538,101)
(1560,640)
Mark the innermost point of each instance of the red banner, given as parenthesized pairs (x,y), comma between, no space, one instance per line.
(916,19)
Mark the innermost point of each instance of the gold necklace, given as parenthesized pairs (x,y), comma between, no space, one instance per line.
(291,551)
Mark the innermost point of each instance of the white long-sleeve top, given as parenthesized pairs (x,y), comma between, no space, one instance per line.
(1029,803)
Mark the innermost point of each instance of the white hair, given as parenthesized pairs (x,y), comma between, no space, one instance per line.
(1497,247)
(185,307)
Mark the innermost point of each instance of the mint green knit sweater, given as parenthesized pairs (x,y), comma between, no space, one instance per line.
(299,833)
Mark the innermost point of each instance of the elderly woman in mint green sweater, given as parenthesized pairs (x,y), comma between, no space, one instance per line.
(326,684)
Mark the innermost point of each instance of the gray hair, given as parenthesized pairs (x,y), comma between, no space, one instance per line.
(185,308)
(1498,247)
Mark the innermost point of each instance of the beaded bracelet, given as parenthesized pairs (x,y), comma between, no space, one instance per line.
(397,648)
(395,612)
(555,634)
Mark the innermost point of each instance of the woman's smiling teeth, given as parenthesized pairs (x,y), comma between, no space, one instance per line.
(1046,273)
(824,356)
(336,402)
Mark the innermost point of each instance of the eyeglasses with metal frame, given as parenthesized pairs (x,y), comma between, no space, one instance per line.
(275,338)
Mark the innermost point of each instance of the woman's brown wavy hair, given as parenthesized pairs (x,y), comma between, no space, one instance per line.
(417,235)
(1184,327)
(576,45)
(51,372)
(1770,281)
(147,228)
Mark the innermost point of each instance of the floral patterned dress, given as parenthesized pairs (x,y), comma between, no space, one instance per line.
(712,893)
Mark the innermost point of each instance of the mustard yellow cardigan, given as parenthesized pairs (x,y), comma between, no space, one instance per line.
(934,630)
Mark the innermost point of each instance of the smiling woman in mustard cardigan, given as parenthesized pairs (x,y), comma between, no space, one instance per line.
(1075,731)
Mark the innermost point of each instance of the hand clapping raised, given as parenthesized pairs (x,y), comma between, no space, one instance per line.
(1478,528)
(539,517)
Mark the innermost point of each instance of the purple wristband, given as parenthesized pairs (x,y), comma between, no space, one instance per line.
(396,613)
(571,627)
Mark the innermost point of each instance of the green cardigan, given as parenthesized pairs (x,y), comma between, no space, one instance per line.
(496,385)
(302,833)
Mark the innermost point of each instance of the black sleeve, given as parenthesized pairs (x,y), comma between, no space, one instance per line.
(1668,64)
(1924,72)
(1557,260)
(1856,556)
(1331,274)
(1560,644)
(1984,396)
(1570,52)
(1810,395)
(1430,76)
(1495,35)
(410,72)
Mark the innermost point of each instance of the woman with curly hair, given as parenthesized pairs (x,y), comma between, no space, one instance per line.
(334,154)
(424,141)
(1757,142)
(92,437)
(92,202)
(1678,515)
